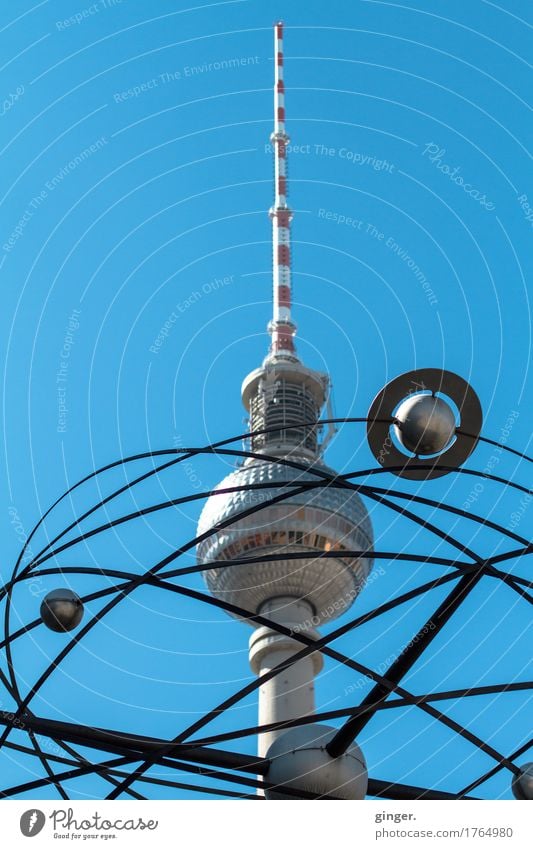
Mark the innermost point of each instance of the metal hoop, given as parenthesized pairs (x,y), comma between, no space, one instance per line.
(381,414)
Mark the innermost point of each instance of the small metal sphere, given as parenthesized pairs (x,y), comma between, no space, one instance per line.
(299,761)
(62,610)
(426,424)
(523,784)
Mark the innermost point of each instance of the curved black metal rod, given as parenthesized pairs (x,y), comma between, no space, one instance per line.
(449,508)
(241,515)
(138,581)
(187,453)
(37,751)
(116,741)
(214,449)
(509,555)
(361,619)
(262,558)
(319,473)
(174,502)
(496,444)
(328,479)
(481,780)
(247,435)
(157,582)
(147,779)
(377,788)
(277,459)
(103,768)
(8,646)
(259,507)
(337,481)
(324,716)
(316,645)
(375,555)
(184,454)
(414,650)
(484,562)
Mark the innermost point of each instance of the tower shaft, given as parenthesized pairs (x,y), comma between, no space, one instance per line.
(291,693)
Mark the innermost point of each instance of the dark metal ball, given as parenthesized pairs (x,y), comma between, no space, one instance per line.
(426,424)
(62,610)
(523,784)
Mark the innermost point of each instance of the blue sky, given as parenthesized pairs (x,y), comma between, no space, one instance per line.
(135,185)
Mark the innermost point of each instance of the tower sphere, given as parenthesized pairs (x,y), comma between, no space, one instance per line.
(61,610)
(523,784)
(299,761)
(426,424)
(321,519)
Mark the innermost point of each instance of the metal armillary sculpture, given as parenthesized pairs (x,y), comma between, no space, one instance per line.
(325,755)
(286,545)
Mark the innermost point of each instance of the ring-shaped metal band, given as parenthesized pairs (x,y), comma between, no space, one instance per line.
(437,381)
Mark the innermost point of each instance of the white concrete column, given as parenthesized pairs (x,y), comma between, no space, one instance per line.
(291,693)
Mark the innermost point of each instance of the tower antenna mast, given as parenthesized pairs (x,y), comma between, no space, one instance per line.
(281,328)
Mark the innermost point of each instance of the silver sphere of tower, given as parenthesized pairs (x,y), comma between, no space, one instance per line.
(321,519)
(300,762)
(426,424)
(61,610)
(522,785)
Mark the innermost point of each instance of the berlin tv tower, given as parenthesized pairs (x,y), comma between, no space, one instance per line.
(282,396)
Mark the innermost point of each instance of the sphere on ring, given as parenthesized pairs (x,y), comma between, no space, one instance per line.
(522,785)
(61,610)
(425,424)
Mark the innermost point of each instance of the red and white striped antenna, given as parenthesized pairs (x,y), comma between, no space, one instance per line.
(281,328)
